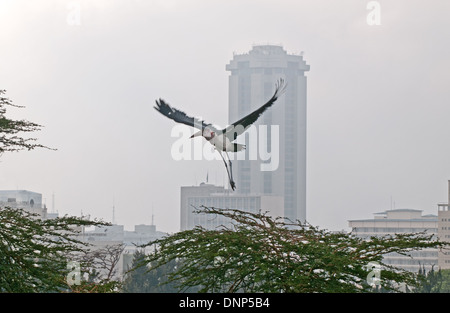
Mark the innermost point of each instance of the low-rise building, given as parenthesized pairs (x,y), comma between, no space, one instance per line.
(101,237)
(194,197)
(30,201)
(398,221)
(444,231)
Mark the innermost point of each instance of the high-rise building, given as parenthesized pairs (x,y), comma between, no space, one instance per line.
(281,130)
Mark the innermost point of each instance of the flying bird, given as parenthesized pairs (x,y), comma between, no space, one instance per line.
(221,139)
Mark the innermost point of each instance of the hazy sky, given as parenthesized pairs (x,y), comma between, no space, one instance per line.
(378,99)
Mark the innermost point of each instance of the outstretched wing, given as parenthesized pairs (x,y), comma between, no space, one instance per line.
(244,123)
(179,116)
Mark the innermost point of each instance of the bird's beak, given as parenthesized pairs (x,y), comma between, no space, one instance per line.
(199,133)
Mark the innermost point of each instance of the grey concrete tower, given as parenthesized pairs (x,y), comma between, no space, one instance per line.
(251,83)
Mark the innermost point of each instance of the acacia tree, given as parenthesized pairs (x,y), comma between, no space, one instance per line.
(258,253)
(11,130)
(35,253)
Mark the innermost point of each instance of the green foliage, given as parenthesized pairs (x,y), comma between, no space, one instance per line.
(261,254)
(445,281)
(433,281)
(34,253)
(140,279)
(104,286)
(10,130)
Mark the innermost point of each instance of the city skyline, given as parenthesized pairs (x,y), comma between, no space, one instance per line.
(90,71)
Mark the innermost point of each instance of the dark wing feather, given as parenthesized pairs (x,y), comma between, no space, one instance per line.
(244,123)
(179,116)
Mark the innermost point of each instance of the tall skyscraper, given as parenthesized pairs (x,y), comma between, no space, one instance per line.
(251,83)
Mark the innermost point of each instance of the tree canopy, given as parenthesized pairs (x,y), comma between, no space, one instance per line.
(35,253)
(258,253)
(11,130)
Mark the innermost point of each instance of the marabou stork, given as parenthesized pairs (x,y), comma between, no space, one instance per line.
(221,139)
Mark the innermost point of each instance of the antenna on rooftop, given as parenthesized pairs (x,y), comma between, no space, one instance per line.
(153,216)
(53,202)
(113,212)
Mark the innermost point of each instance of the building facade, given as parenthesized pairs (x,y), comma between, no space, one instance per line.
(103,237)
(444,231)
(23,199)
(251,83)
(194,197)
(401,221)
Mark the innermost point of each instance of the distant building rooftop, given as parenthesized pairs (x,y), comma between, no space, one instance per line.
(403,214)
(23,199)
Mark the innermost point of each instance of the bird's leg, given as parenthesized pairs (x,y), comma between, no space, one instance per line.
(232,184)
